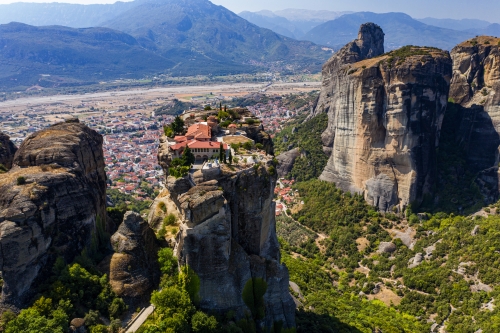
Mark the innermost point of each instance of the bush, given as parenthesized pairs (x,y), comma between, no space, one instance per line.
(200,322)
(259,146)
(99,329)
(250,121)
(21,180)
(253,296)
(248,145)
(170,220)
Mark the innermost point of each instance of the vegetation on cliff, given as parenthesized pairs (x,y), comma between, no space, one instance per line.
(305,135)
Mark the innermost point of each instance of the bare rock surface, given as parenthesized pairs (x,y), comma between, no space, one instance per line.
(133,268)
(50,202)
(7,150)
(384,117)
(475,87)
(286,161)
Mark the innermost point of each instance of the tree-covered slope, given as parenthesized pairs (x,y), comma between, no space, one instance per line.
(429,270)
(55,56)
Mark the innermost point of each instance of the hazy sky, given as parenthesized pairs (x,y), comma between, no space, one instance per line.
(482,9)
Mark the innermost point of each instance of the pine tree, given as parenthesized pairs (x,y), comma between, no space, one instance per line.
(221,152)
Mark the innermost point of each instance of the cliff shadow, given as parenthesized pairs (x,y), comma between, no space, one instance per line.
(466,162)
(308,322)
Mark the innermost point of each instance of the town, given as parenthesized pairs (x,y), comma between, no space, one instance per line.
(131,128)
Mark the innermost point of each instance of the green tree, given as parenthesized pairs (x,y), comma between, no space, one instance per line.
(168,263)
(230,157)
(178,125)
(248,145)
(201,322)
(221,151)
(99,329)
(187,157)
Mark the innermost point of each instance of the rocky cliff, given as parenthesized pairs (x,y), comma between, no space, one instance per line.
(384,117)
(228,237)
(475,87)
(7,151)
(49,204)
(133,267)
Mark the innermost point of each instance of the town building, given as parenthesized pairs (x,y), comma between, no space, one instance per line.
(199,139)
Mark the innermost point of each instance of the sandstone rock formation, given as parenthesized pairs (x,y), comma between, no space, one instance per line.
(228,236)
(7,151)
(133,268)
(49,204)
(286,161)
(384,117)
(475,86)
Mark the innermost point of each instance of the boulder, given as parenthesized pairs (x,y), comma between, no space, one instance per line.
(286,161)
(386,247)
(133,269)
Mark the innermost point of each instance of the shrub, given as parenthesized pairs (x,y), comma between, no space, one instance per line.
(200,322)
(248,145)
(3,169)
(170,219)
(250,121)
(162,206)
(253,296)
(259,146)
(21,180)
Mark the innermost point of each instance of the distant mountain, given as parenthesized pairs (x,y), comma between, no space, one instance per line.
(61,56)
(294,23)
(65,14)
(490,30)
(197,33)
(295,14)
(464,24)
(400,30)
(269,20)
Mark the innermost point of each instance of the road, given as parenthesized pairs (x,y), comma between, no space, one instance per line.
(141,319)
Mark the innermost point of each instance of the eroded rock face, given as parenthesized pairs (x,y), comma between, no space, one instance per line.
(54,213)
(7,151)
(286,161)
(475,86)
(133,268)
(384,118)
(228,236)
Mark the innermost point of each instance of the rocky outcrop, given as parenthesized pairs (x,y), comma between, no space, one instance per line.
(475,87)
(286,161)
(50,202)
(133,268)
(228,237)
(384,118)
(259,135)
(7,151)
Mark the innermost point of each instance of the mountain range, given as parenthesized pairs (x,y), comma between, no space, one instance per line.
(183,38)
(293,23)
(77,44)
(335,29)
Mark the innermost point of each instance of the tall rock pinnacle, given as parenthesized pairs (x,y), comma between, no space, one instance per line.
(384,116)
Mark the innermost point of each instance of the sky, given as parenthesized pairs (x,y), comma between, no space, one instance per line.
(488,10)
